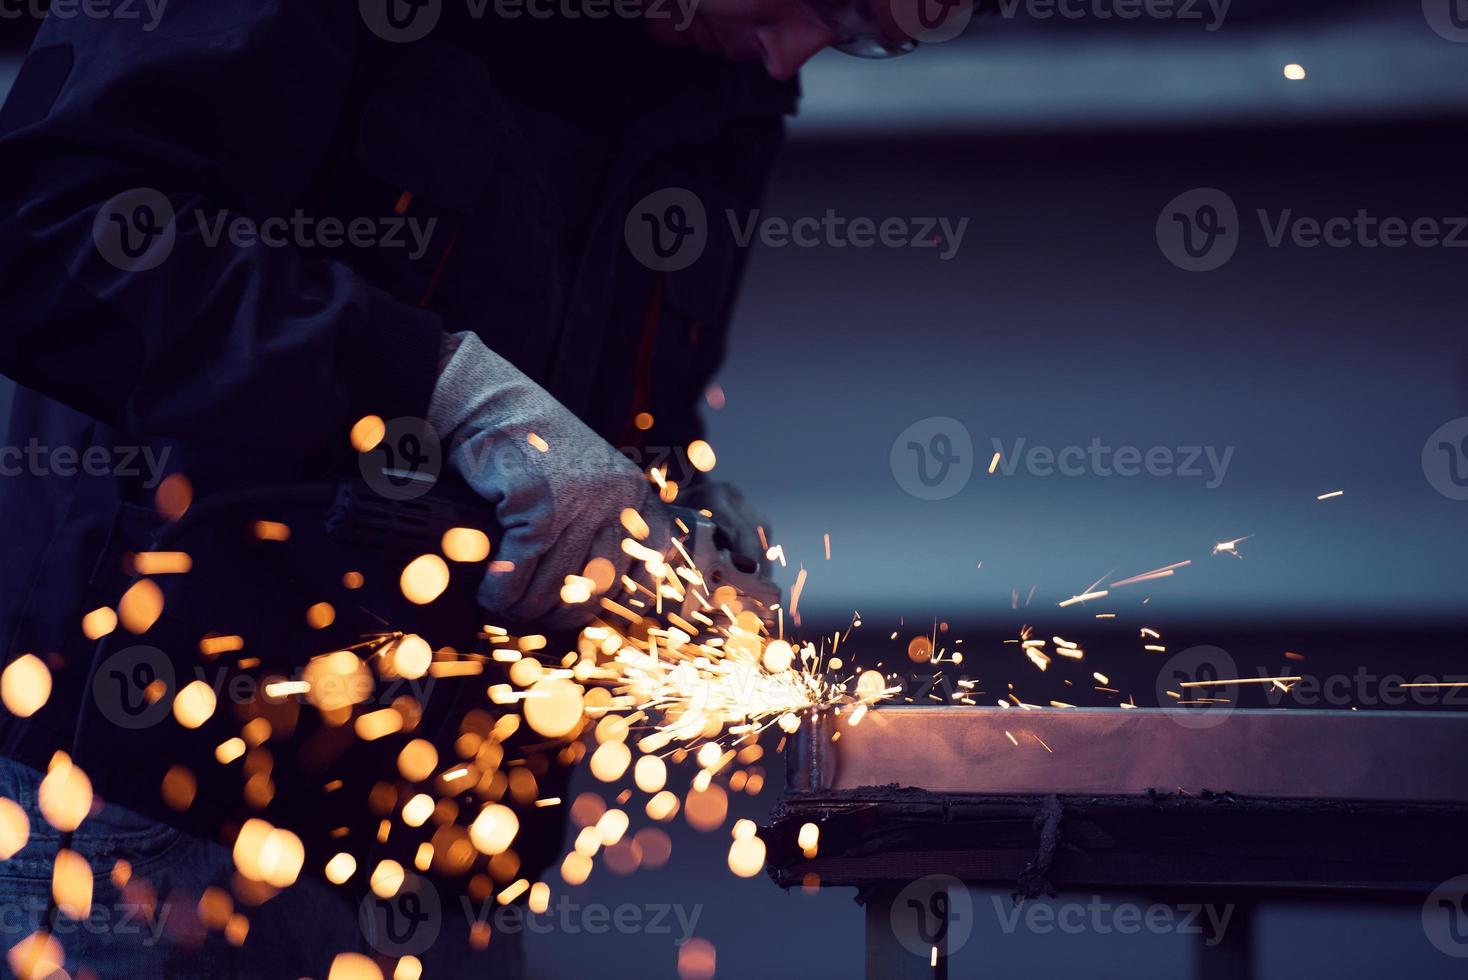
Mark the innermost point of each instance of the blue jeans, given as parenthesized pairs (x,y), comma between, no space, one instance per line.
(151,928)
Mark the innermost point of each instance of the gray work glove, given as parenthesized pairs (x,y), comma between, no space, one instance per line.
(738,522)
(558,489)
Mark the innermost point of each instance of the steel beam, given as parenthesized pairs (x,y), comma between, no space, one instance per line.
(1382,756)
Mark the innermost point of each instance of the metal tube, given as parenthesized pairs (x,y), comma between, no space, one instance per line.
(1281,754)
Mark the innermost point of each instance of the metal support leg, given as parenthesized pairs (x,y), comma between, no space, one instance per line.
(1228,954)
(907,932)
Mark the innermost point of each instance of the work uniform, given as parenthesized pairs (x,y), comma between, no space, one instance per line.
(496,158)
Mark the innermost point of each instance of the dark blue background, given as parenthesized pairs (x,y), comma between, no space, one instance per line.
(1060,320)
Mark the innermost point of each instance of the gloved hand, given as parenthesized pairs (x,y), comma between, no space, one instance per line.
(735,518)
(558,489)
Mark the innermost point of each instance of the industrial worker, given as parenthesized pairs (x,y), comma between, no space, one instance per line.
(232,229)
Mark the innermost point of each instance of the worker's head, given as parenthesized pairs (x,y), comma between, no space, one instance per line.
(785,34)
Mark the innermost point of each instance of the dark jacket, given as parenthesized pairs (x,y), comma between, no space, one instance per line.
(523,141)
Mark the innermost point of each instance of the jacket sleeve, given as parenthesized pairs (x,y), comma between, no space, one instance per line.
(123,145)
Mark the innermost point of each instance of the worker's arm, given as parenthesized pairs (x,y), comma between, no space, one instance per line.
(231,105)
(560,493)
(225,106)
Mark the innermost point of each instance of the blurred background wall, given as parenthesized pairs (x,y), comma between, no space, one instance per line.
(1059,320)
